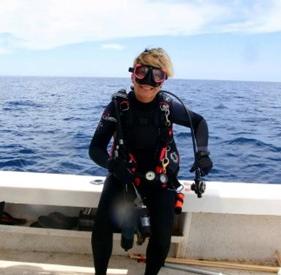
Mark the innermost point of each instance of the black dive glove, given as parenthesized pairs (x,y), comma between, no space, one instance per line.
(120,169)
(203,162)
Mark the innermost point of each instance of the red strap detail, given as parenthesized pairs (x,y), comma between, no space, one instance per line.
(180,196)
(137,181)
(158,169)
(179,200)
(132,158)
(163,153)
(170,132)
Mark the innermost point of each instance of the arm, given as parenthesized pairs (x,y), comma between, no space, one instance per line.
(98,147)
(202,159)
(199,124)
(104,132)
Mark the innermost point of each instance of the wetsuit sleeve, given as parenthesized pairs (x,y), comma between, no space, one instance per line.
(102,136)
(179,116)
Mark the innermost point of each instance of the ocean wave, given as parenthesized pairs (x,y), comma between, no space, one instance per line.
(254,142)
(72,118)
(259,165)
(183,135)
(70,165)
(18,163)
(19,104)
(220,107)
(27,151)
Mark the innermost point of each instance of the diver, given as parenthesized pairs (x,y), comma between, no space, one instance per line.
(144,159)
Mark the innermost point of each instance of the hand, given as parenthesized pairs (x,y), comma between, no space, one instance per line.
(203,162)
(119,168)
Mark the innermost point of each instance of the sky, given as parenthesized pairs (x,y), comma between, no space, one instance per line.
(215,39)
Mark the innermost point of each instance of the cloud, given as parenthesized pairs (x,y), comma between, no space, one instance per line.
(258,17)
(112,46)
(4,51)
(50,23)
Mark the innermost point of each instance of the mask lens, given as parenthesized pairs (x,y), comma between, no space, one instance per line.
(141,71)
(158,75)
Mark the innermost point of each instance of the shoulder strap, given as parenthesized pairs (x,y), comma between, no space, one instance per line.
(164,105)
(120,94)
(166,132)
(121,97)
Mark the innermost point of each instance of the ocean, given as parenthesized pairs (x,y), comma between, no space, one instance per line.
(46,125)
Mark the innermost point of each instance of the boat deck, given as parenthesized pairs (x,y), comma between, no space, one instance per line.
(233,221)
(36,263)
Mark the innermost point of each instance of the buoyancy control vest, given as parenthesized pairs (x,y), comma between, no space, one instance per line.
(156,127)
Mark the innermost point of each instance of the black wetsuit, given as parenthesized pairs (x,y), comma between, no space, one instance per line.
(142,138)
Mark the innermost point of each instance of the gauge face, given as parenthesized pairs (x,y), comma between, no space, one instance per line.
(150,175)
(163,178)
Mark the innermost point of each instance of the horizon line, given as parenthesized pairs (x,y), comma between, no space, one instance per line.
(123,77)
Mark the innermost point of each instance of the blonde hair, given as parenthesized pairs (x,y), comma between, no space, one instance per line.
(156,57)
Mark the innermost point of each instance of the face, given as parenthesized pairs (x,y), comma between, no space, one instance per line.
(145,93)
(147,81)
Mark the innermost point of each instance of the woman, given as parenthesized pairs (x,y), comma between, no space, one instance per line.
(144,155)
